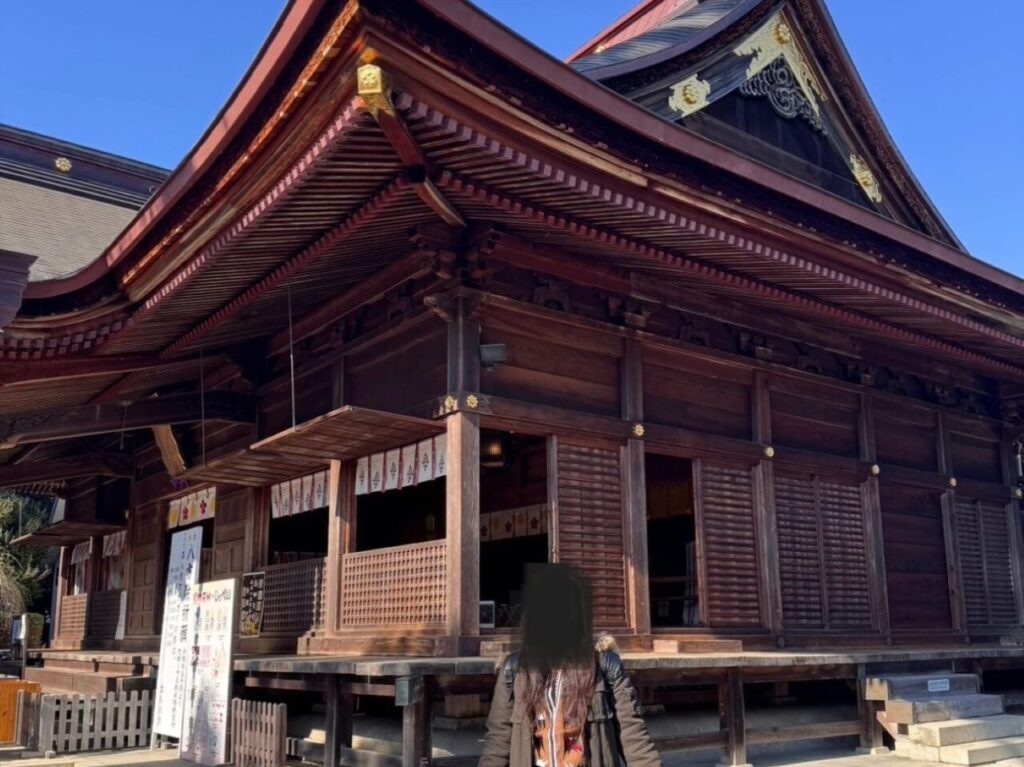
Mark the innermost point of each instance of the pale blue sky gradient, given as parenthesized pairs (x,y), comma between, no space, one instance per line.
(144,79)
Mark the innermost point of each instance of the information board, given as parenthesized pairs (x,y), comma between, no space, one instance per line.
(175,635)
(251,614)
(208,701)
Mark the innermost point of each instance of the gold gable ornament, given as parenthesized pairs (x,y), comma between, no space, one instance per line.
(772,41)
(865,178)
(689,95)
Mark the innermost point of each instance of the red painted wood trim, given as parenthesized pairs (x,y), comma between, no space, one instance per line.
(271,60)
(646,125)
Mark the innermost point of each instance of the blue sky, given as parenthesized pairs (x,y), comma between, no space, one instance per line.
(144,79)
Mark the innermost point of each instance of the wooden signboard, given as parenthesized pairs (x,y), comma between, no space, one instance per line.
(251,614)
(208,700)
(175,647)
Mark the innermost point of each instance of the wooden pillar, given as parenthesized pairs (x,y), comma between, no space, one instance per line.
(416,739)
(871,735)
(462,489)
(462,520)
(341,527)
(764,510)
(257,528)
(339,708)
(874,541)
(957,609)
(634,489)
(732,719)
(62,589)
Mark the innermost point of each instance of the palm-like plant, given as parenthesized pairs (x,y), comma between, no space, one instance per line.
(23,571)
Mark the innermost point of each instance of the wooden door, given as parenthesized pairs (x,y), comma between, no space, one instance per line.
(728,538)
(985,535)
(147,526)
(585,485)
(229,534)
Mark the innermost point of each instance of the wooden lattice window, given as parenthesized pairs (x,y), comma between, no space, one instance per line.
(726,508)
(823,563)
(293,597)
(984,533)
(400,585)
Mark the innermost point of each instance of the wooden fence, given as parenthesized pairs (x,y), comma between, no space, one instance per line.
(9,689)
(72,723)
(258,732)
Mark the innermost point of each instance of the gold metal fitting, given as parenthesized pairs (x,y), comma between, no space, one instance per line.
(63,164)
(769,452)
(875,470)
(449,403)
(639,430)
(374,89)
(952,481)
(1018,493)
(783,34)
(472,402)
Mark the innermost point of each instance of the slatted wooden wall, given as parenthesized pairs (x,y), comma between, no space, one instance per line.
(589,518)
(915,557)
(146,526)
(823,567)
(812,417)
(986,570)
(229,533)
(726,509)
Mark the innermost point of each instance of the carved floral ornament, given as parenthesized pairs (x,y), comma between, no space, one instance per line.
(865,178)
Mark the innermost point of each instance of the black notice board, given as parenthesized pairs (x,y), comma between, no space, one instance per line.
(251,618)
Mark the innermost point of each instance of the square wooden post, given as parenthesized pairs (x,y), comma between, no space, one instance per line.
(634,489)
(732,719)
(338,709)
(413,695)
(462,520)
(341,528)
(871,735)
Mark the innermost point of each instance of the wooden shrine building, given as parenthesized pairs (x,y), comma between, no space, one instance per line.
(425,304)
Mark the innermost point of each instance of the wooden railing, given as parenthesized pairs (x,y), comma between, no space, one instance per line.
(294,597)
(74,609)
(398,586)
(104,609)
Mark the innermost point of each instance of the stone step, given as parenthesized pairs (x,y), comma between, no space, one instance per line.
(62,680)
(956,731)
(919,686)
(982,751)
(922,710)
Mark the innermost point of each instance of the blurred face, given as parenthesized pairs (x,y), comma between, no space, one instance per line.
(556,617)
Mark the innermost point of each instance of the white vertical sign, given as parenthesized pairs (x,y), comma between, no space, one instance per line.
(207,705)
(175,648)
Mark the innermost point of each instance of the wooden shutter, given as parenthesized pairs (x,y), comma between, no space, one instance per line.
(823,566)
(986,569)
(800,552)
(730,546)
(590,526)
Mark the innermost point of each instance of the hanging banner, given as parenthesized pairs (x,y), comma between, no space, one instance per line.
(275,501)
(440,455)
(363,475)
(297,495)
(81,552)
(250,619)
(376,472)
(191,508)
(409,472)
(425,458)
(113,544)
(204,738)
(175,647)
(320,483)
(393,467)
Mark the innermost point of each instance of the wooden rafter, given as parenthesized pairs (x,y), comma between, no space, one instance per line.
(95,464)
(63,423)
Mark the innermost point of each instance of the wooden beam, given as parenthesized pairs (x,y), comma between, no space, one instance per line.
(416,741)
(25,371)
(170,451)
(101,464)
(87,420)
(634,488)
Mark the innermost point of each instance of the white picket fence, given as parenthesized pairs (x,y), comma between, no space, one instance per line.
(72,723)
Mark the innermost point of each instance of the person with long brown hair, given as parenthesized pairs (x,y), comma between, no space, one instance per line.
(563,700)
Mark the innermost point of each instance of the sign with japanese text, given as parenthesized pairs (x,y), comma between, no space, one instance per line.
(208,701)
(250,620)
(175,645)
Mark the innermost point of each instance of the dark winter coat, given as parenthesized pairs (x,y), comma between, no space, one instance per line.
(615,731)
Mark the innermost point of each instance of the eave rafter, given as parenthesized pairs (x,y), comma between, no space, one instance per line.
(639,202)
(657,256)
